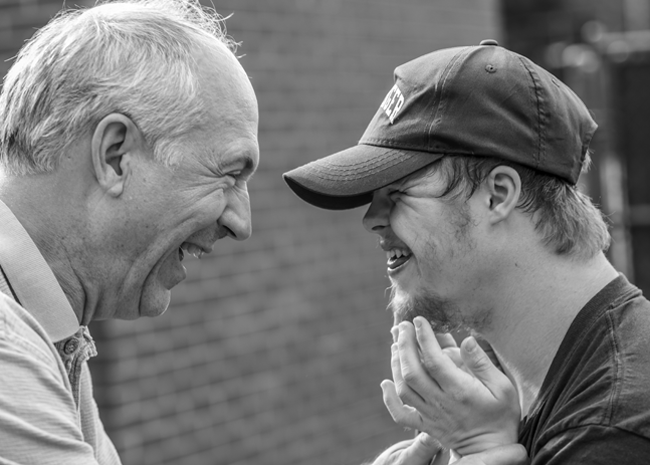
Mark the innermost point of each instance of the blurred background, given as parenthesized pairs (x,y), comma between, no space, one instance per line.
(273,349)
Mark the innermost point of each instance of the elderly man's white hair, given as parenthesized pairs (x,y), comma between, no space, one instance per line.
(133,57)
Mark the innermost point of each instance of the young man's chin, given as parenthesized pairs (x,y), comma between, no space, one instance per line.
(400,303)
(444,315)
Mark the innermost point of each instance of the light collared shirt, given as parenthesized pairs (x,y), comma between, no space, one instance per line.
(47,411)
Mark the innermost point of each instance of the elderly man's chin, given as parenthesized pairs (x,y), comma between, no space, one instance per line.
(155,295)
(443,315)
(154,299)
(155,305)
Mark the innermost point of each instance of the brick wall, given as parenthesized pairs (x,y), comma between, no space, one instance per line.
(548,31)
(273,349)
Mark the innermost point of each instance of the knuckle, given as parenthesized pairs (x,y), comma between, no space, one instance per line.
(451,352)
(481,362)
(402,391)
(430,365)
(459,395)
(402,343)
(407,398)
(409,375)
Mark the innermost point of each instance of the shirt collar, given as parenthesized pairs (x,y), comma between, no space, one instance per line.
(33,280)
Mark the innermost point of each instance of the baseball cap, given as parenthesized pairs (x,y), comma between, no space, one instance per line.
(480,100)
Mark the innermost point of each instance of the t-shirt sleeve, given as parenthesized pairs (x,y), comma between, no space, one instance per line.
(38,419)
(594,445)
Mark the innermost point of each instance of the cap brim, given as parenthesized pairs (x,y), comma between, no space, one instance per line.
(348,178)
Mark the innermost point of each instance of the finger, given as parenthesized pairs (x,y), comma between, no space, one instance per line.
(394,331)
(512,454)
(438,365)
(446,340)
(421,451)
(404,390)
(477,361)
(403,415)
(412,372)
(450,348)
(489,351)
(454,355)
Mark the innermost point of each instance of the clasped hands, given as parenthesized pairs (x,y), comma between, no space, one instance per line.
(454,395)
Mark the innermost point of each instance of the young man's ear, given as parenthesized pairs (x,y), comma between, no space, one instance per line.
(114,142)
(504,190)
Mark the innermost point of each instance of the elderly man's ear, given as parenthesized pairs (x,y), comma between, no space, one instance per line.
(503,186)
(115,142)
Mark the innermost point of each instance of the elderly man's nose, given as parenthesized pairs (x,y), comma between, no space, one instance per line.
(236,220)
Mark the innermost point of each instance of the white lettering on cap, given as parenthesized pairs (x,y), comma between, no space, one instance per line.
(393,103)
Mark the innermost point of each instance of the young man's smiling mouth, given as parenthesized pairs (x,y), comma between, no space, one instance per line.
(397,257)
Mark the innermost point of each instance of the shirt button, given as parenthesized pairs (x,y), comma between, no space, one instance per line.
(71,346)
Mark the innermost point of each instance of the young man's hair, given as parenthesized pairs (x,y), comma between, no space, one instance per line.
(566,219)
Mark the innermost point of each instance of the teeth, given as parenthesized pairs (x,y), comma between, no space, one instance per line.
(394,254)
(193,250)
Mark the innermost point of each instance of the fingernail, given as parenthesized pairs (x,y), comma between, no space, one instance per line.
(470,345)
(417,322)
(395,332)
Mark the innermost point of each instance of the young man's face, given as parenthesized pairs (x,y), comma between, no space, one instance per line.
(431,248)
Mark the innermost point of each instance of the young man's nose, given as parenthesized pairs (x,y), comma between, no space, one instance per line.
(376,218)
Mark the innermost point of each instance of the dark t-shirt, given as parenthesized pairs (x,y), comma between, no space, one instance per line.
(594,404)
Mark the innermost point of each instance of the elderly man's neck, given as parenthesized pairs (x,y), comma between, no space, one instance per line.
(532,316)
(45,208)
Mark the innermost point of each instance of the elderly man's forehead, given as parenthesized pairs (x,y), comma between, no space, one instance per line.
(218,67)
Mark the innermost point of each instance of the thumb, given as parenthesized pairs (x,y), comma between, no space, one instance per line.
(421,451)
(478,362)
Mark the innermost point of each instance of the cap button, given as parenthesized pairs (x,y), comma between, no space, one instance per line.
(489,42)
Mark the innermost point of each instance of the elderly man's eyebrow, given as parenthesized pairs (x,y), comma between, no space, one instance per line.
(233,158)
(249,165)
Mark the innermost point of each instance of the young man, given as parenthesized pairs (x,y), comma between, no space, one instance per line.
(470,168)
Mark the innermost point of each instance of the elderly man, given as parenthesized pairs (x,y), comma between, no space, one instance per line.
(470,168)
(127,135)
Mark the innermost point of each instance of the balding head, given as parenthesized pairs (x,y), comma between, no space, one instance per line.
(137,58)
